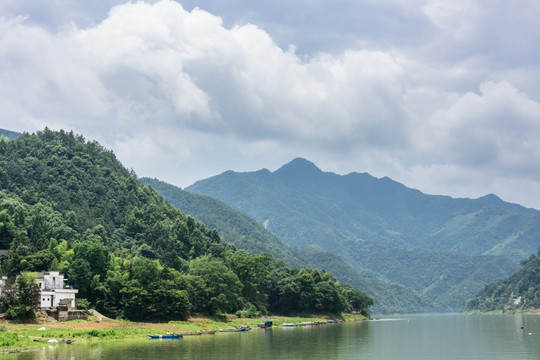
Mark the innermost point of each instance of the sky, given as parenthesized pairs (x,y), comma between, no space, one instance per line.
(442,96)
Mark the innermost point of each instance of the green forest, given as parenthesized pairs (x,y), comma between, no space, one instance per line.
(519,292)
(68,204)
(441,249)
(245,233)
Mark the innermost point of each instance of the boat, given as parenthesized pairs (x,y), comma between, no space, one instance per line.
(289,325)
(241,328)
(229,330)
(166,336)
(192,333)
(208,332)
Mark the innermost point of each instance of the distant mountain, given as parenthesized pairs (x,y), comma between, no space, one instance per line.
(446,249)
(245,233)
(519,292)
(9,134)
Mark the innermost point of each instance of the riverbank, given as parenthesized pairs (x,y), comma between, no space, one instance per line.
(45,331)
(505,312)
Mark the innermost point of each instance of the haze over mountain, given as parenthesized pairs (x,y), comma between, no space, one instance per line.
(444,248)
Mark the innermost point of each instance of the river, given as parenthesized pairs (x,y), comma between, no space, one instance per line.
(478,337)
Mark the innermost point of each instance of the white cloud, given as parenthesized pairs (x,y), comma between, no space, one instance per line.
(496,129)
(181,96)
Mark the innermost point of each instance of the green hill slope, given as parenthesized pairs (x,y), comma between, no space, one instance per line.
(519,292)
(233,226)
(67,204)
(245,233)
(439,246)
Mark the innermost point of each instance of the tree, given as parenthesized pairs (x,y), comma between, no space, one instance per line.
(253,271)
(356,299)
(23,298)
(28,290)
(221,288)
(95,253)
(80,275)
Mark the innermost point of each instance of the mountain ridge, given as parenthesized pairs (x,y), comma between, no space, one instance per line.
(362,218)
(245,233)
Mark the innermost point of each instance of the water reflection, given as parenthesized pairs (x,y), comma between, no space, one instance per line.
(414,337)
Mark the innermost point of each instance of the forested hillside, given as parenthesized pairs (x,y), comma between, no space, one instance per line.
(245,233)
(68,204)
(445,249)
(519,292)
(233,226)
(9,134)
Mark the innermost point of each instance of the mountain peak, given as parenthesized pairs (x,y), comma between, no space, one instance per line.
(491,198)
(298,166)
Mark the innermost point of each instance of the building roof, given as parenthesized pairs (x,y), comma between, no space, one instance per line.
(65,302)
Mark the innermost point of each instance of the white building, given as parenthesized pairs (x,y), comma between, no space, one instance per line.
(52,288)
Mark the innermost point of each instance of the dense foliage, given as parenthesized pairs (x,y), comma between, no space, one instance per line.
(521,291)
(19,299)
(233,226)
(245,233)
(67,204)
(442,248)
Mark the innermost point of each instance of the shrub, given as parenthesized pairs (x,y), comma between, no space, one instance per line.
(16,312)
(82,304)
(102,333)
(249,312)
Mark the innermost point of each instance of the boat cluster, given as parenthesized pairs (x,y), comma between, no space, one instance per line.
(265,325)
(311,323)
(241,328)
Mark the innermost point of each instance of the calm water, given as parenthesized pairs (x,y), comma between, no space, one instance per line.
(407,337)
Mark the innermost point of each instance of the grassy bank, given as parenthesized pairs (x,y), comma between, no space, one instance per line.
(14,337)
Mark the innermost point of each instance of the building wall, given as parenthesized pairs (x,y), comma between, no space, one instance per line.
(51,280)
(50,299)
(68,315)
(63,294)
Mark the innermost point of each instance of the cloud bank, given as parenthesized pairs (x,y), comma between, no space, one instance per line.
(450,106)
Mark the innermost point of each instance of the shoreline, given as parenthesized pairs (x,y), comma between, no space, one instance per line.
(20,337)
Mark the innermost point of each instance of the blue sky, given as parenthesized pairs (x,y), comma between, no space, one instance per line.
(441,96)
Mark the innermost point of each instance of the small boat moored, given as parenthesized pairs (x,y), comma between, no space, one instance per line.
(229,330)
(289,324)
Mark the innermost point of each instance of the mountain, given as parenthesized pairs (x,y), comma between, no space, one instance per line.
(9,134)
(68,204)
(519,292)
(443,248)
(243,232)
